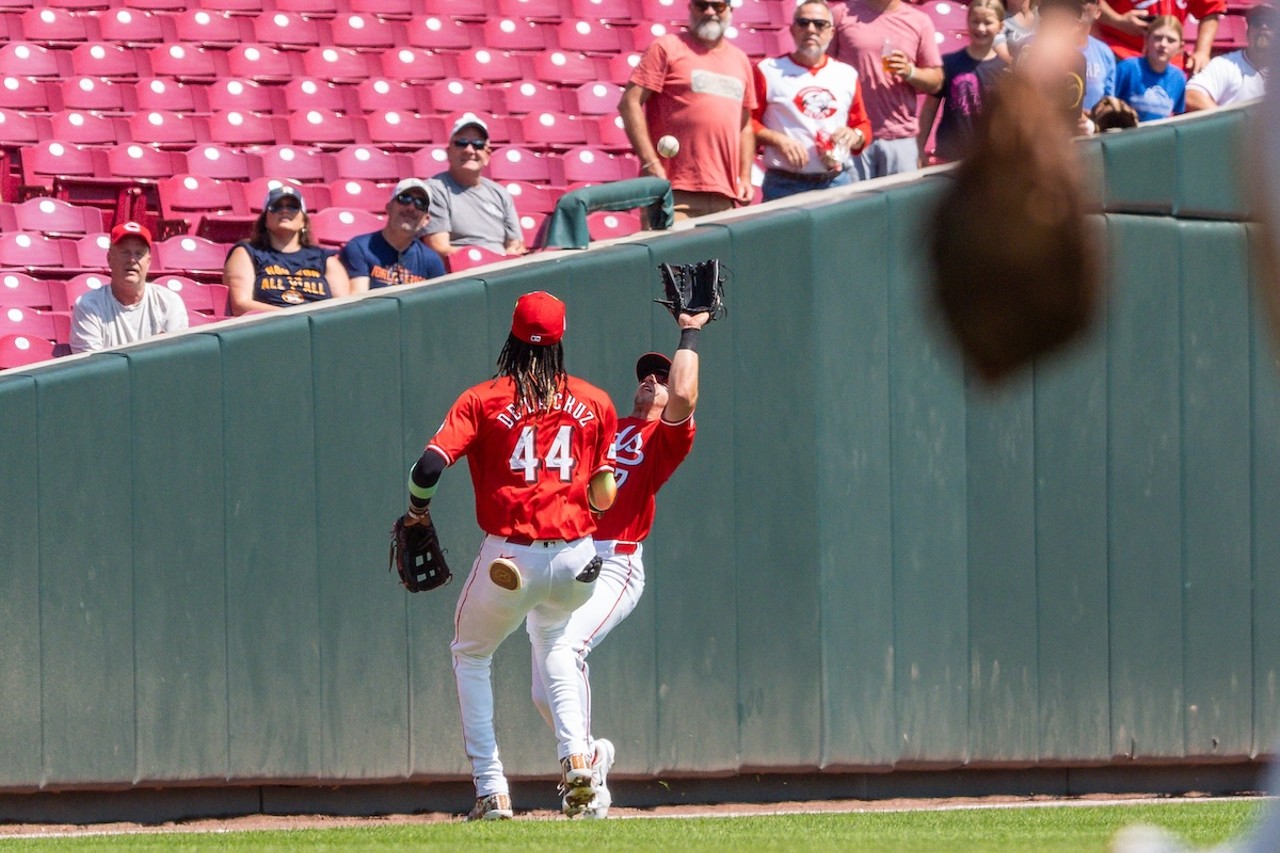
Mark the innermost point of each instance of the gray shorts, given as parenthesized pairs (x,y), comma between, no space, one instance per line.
(888,157)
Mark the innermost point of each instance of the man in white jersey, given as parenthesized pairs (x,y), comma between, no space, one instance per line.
(809,114)
(130,309)
(1240,75)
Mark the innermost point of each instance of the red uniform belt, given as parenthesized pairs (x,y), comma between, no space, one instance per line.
(625,548)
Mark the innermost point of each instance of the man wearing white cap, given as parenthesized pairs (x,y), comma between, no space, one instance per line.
(468,209)
(396,254)
(129,309)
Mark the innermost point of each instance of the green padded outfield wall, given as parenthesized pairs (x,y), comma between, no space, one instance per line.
(868,562)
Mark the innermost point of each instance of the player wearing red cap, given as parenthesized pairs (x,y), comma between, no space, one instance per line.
(538,444)
(651,444)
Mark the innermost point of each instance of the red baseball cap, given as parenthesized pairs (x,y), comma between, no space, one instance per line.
(652,362)
(538,319)
(130,229)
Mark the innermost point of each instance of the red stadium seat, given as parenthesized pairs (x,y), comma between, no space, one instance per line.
(77,286)
(86,128)
(195,319)
(754,43)
(592,37)
(220,162)
(431,160)
(438,33)
(531,227)
(248,8)
(396,130)
(390,10)
(186,200)
(205,299)
(553,130)
(381,93)
(521,164)
(490,66)
(603,225)
(212,29)
(58,28)
(238,128)
(470,257)
(165,129)
(91,250)
(262,63)
(19,129)
(334,226)
(297,163)
(416,65)
(289,30)
(21,250)
(531,198)
(1232,33)
(516,34)
(526,97)
(565,69)
(21,59)
(311,93)
(38,324)
(104,96)
(619,68)
(534,10)
(185,252)
(607,10)
(366,32)
(597,99)
(611,134)
(315,196)
(339,64)
(170,7)
(234,93)
(103,59)
(161,93)
(592,165)
(467,10)
(143,162)
(134,27)
(453,95)
(42,162)
(188,62)
(664,11)
(326,129)
(19,290)
(370,163)
(762,14)
(25,94)
(22,350)
(359,195)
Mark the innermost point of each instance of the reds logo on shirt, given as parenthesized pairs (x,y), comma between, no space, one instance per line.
(816,102)
(629,450)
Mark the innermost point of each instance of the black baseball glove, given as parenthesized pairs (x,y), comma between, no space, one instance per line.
(693,288)
(416,554)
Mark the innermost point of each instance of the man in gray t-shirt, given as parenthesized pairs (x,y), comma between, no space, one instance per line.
(468,209)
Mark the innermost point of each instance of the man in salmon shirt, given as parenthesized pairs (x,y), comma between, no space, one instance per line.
(696,87)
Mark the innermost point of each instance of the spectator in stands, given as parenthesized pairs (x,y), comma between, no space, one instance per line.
(280,264)
(468,209)
(967,78)
(1151,84)
(396,254)
(809,114)
(1099,60)
(1240,75)
(1018,27)
(697,87)
(894,48)
(1123,25)
(131,309)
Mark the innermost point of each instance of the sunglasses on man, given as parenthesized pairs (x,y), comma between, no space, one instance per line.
(285,207)
(817,23)
(416,200)
(716,6)
(477,144)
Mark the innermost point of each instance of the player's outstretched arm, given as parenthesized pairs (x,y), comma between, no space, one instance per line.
(682,382)
(424,478)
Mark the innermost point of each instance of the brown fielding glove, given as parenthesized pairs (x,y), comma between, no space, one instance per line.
(417,556)
(1016,274)
(693,288)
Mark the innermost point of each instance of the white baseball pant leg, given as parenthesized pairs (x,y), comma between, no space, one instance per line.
(486,615)
(617,592)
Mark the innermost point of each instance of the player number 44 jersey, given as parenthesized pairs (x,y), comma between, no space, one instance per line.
(530,469)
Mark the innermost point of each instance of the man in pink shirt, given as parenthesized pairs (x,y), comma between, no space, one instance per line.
(896,53)
(696,87)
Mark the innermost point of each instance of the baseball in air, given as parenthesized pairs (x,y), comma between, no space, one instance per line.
(668,146)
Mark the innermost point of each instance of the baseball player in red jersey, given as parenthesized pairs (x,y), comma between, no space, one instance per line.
(539,446)
(651,444)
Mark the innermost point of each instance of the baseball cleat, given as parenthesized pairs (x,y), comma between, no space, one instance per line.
(492,807)
(598,808)
(505,574)
(577,784)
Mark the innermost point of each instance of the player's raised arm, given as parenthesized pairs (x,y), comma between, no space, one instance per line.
(682,383)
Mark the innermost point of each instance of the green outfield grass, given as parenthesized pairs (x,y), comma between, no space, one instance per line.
(1081,829)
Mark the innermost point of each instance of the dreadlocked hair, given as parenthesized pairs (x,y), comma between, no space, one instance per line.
(537,371)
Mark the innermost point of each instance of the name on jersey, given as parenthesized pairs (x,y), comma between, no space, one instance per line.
(512,414)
